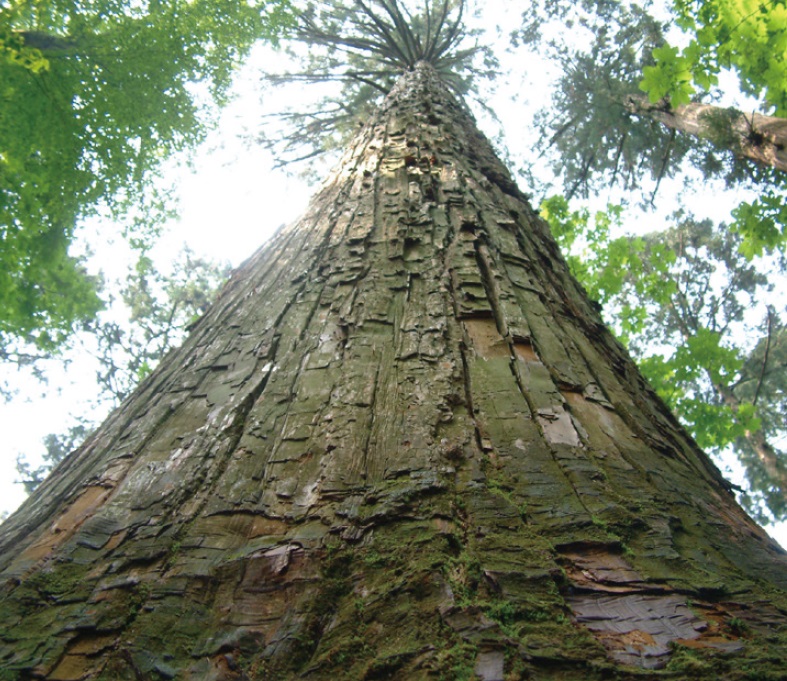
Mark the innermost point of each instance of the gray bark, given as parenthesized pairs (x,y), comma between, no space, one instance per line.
(400,445)
(756,137)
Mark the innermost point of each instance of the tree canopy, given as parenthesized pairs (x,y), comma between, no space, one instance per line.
(94,97)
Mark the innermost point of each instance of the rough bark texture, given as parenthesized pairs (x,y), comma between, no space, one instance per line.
(758,138)
(401,445)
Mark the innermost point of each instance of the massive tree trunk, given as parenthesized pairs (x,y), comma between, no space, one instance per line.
(758,138)
(400,445)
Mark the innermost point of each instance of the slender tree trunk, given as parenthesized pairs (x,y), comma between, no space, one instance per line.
(757,443)
(401,445)
(758,138)
(769,458)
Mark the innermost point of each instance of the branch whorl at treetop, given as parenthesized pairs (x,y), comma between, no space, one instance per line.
(365,45)
(388,34)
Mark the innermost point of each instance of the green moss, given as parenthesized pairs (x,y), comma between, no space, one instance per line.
(333,586)
(347,653)
(386,667)
(738,627)
(172,555)
(139,596)
(463,574)
(56,583)
(456,663)
(373,559)
(688,661)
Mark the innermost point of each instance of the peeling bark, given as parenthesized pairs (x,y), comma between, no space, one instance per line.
(756,137)
(400,445)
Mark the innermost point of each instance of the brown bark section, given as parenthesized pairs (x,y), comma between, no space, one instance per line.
(759,138)
(400,445)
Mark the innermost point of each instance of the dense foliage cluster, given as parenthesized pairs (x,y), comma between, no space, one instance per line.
(93,98)
(748,37)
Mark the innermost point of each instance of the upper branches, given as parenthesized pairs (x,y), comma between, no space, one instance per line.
(364,46)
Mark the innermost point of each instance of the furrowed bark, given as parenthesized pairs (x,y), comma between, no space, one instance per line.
(400,445)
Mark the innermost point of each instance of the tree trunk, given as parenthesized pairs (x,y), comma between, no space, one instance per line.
(401,445)
(758,138)
(756,442)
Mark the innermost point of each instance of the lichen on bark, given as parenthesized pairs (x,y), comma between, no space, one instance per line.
(400,445)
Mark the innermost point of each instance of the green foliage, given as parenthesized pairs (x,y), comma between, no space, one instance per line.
(750,38)
(738,627)
(607,266)
(93,98)
(670,78)
(679,379)
(746,36)
(45,293)
(682,300)
(14,51)
(687,661)
(603,131)
(456,663)
(762,224)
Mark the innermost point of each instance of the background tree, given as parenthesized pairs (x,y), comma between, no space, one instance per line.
(691,308)
(604,130)
(94,98)
(149,315)
(57,447)
(161,307)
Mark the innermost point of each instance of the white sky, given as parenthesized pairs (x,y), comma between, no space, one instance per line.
(231,204)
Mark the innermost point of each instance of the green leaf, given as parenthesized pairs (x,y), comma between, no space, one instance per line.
(95,96)
(762,224)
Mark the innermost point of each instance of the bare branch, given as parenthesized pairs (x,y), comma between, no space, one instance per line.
(765,357)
